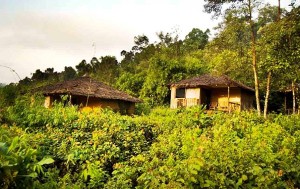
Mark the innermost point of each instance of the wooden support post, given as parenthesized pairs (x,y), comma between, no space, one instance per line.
(87,100)
(200,97)
(294,97)
(70,99)
(228,97)
(284,102)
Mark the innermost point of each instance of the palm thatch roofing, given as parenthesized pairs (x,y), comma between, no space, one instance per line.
(209,81)
(85,86)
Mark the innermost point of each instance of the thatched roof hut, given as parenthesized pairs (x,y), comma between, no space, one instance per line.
(215,92)
(209,81)
(86,86)
(86,91)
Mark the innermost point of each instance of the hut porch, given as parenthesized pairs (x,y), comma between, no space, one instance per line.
(213,92)
(222,99)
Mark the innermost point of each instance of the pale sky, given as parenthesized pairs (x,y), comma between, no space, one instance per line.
(40,34)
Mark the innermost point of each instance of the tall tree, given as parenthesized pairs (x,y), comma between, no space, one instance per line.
(246,8)
(291,37)
(83,68)
(141,42)
(196,39)
(68,73)
(38,75)
(106,70)
(269,75)
(280,51)
(228,52)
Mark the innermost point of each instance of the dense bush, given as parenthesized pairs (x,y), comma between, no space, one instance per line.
(20,160)
(181,148)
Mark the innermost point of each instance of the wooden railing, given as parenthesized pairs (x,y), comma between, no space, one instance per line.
(233,106)
(187,102)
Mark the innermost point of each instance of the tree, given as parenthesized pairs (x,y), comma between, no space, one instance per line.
(246,8)
(38,75)
(8,94)
(165,39)
(68,73)
(25,81)
(280,54)
(196,39)
(141,42)
(228,52)
(106,70)
(269,45)
(83,68)
(290,47)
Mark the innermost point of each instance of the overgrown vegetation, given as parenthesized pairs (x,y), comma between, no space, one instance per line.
(182,148)
(63,147)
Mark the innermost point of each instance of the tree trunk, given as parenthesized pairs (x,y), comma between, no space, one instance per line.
(267,95)
(269,73)
(279,11)
(254,65)
(294,97)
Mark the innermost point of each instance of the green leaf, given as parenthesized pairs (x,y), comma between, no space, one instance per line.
(33,175)
(3,147)
(13,145)
(244,177)
(45,161)
(240,182)
(180,180)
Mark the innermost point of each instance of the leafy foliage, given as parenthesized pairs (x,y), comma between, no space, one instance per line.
(185,148)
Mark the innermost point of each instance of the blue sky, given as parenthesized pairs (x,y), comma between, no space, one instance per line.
(38,34)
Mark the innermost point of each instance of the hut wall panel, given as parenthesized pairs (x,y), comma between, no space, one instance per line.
(131,109)
(247,100)
(173,102)
(95,102)
(220,96)
(124,107)
(48,101)
(193,93)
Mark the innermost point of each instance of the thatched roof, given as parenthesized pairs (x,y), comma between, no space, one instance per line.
(210,81)
(289,88)
(85,86)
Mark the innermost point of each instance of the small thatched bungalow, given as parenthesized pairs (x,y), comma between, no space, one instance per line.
(86,92)
(215,92)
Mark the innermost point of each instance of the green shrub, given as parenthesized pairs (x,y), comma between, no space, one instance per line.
(165,148)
